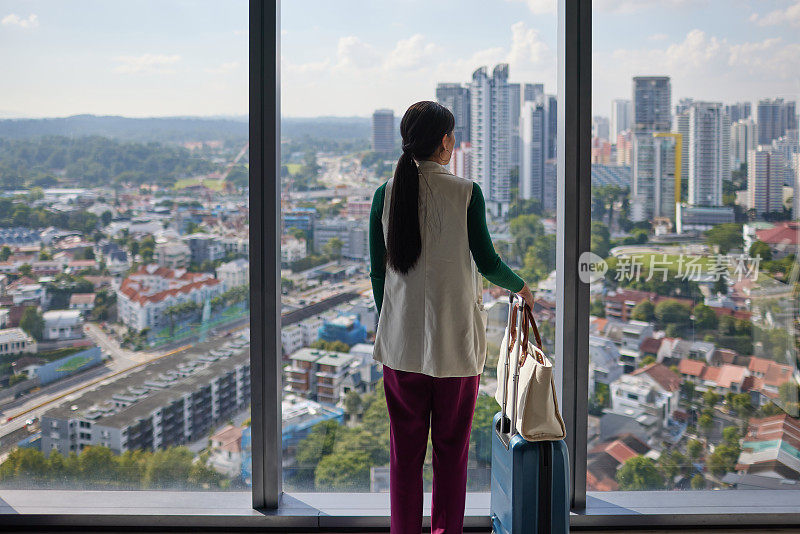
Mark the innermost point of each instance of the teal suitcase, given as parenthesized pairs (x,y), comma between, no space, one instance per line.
(530,480)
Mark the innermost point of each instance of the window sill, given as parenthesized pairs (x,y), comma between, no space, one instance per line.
(166,509)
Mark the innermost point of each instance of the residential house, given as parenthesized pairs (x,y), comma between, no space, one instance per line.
(235,273)
(771,448)
(16,341)
(172,255)
(62,325)
(652,389)
(226,451)
(604,362)
(606,458)
(83,302)
(144,296)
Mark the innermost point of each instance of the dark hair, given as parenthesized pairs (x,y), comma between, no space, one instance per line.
(422,128)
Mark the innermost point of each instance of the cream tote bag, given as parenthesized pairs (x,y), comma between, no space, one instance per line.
(534,408)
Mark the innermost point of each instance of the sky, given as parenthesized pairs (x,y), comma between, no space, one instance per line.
(349,57)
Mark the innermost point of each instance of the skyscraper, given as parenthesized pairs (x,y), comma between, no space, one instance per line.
(774,118)
(600,127)
(533,92)
(743,140)
(515,101)
(709,153)
(620,117)
(461,161)
(738,111)
(490,134)
(455,97)
(796,184)
(650,171)
(552,126)
(383,131)
(653,192)
(652,103)
(533,130)
(765,175)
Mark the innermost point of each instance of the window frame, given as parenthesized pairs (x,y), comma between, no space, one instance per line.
(269,508)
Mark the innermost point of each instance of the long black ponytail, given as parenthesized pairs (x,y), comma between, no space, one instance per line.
(422,128)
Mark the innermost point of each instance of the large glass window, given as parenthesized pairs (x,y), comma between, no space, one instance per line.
(124,268)
(346,82)
(693,349)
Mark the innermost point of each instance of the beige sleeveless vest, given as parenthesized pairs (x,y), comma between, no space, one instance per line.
(432,319)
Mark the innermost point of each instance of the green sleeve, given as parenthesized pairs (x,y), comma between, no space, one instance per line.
(377,247)
(480,244)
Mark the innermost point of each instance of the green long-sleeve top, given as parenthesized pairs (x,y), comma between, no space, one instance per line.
(480,244)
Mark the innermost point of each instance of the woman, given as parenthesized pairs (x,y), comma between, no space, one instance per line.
(426,227)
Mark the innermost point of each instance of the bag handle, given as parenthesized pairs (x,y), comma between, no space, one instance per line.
(528,322)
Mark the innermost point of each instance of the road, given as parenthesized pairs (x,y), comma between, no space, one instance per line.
(121,363)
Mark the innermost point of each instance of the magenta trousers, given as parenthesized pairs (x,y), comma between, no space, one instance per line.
(415,402)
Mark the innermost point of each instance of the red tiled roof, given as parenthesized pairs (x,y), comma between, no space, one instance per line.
(651,345)
(691,367)
(787,233)
(730,374)
(132,287)
(661,374)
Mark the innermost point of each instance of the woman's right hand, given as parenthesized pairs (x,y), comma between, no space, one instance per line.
(527,296)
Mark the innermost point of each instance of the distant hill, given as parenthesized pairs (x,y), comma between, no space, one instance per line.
(165,130)
(181,129)
(339,128)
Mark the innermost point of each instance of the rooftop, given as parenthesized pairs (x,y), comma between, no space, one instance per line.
(154,386)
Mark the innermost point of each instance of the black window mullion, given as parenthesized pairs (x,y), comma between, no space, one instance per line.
(264,218)
(573,230)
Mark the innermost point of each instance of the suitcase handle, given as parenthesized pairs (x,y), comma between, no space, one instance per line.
(516,316)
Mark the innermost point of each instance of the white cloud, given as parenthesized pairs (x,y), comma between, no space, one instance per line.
(658,37)
(359,76)
(790,15)
(539,7)
(705,67)
(632,6)
(146,63)
(412,53)
(353,53)
(224,68)
(15,20)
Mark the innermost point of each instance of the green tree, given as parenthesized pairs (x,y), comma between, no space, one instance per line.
(694,449)
(600,239)
(333,248)
(710,399)
(743,405)
(671,464)
(352,402)
(762,250)
(639,473)
(704,317)
(706,423)
(25,269)
(5,253)
(698,482)
(168,468)
(98,466)
(345,471)
(672,312)
(730,435)
(644,311)
(481,436)
(723,459)
(597,308)
(726,236)
(647,360)
(32,322)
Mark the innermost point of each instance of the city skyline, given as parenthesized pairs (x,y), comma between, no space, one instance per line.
(200,68)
